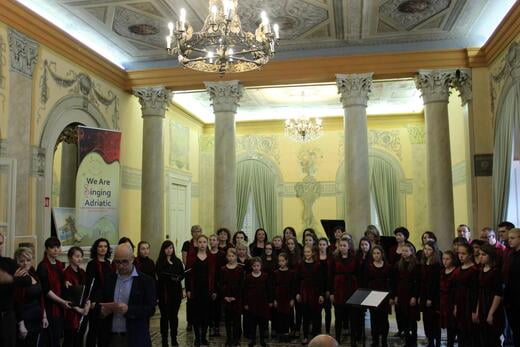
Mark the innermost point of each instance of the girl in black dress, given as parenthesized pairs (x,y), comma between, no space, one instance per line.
(31,316)
(215,307)
(429,299)
(201,289)
(170,273)
(224,239)
(378,277)
(98,270)
(239,237)
(142,262)
(324,258)
(256,248)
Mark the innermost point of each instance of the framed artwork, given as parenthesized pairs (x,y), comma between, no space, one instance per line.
(483,164)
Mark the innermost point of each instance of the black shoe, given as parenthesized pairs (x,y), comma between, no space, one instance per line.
(175,343)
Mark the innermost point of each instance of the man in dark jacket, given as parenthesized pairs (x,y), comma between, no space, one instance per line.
(128,303)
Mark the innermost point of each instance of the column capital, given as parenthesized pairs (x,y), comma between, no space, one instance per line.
(435,84)
(224,95)
(354,89)
(153,100)
(463,83)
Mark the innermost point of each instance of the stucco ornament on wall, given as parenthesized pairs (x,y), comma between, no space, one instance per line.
(309,190)
(267,145)
(509,67)
(79,83)
(23,53)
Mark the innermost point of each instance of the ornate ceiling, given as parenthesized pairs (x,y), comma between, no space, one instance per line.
(387,97)
(131,32)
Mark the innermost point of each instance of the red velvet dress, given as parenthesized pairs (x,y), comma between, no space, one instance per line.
(489,286)
(447,297)
(231,284)
(378,278)
(284,289)
(407,287)
(429,285)
(257,295)
(466,283)
(311,284)
(343,280)
(72,318)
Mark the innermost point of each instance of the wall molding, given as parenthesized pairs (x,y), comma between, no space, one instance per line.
(3,147)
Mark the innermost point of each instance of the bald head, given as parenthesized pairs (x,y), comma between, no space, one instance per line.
(124,259)
(323,341)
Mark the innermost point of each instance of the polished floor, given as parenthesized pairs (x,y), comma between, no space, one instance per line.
(185,338)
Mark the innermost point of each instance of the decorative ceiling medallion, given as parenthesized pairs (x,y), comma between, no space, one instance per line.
(414,6)
(143,29)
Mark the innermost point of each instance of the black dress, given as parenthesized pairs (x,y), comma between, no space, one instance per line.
(30,311)
(200,292)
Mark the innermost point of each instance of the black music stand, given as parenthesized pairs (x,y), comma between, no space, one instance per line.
(366,299)
(330,225)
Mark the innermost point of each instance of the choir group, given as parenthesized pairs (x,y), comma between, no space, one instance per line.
(470,290)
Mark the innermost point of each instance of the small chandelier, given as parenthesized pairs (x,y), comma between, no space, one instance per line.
(221,46)
(303,129)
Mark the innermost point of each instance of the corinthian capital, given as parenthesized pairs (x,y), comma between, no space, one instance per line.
(224,95)
(462,82)
(354,89)
(153,100)
(434,84)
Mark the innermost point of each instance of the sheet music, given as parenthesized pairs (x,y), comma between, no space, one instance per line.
(374,299)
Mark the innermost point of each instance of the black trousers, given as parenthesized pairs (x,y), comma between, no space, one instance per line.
(254,322)
(7,329)
(432,327)
(327,306)
(72,338)
(379,324)
(344,313)
(282,323)
(310,318)
(215,308)
(93,333)
(51,337)
(232,320)
(513,315)
(169,319)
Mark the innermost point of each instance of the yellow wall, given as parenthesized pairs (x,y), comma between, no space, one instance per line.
(4,73)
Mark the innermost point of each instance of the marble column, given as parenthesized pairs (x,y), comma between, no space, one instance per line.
(435,87)
(69,168)
(153,102)
(354,91)
(225,97)
(23,54)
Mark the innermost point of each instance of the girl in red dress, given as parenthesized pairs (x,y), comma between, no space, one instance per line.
(284,282)
(231,286)
(343,283)
(465,308)
(311,292)
(489,308)
(446,290)
(294,257)
(324,259)
(379,274)
(201,289)
(188,253)
(75,276)
(215,307)
(429,300)
(406,291)
(277,246)
(363,260)
(257,301)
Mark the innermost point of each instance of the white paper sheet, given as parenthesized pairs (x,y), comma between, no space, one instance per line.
(374,299)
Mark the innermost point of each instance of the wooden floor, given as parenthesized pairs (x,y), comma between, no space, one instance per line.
(185,338)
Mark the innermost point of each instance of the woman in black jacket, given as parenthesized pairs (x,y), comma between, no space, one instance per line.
(170,273)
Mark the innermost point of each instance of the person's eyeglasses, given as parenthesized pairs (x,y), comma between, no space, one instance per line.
(121,261)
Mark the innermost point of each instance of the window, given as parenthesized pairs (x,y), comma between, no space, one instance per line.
(250,221)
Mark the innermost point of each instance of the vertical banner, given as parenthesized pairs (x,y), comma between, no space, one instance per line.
(97,185)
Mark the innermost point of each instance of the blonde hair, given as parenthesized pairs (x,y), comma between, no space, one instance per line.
(23,252)
(242,245)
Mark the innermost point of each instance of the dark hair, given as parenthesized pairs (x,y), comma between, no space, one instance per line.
(489,230)
(235,236)
(436,253)
(73,250)
(255,240)
(125,239)
(311,233)
(491,252)
(140,244)
(364,238)
(381,249)
(95,245)
(52,242)
(255,260)
(507,225)
(452,255)
(468,248)
(477,242)
(464,225)
(350,244)
(225,230)
(460,240)
(403,231)
(294,257)
(291,229)
(284,255)
(430,234)
(161,258)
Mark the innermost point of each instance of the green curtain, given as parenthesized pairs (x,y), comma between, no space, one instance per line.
(503,153)
(384,184)
(256,178)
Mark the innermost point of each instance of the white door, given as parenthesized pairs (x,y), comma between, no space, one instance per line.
(178,229)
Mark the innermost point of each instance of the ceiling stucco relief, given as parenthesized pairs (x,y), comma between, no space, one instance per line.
(406,15)
(127,23)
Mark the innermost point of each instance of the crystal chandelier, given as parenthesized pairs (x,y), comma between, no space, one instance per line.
(221,45)
(303,129)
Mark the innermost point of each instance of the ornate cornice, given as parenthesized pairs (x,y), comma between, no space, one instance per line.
(224,95)
(511,64)
(354,89)
(153,100)
(23,52)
